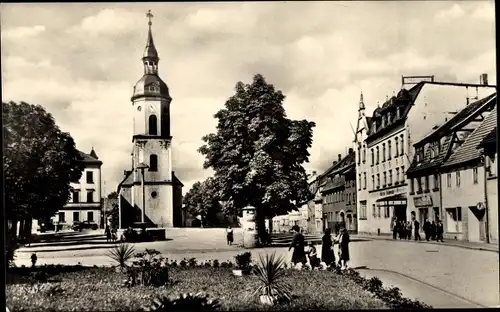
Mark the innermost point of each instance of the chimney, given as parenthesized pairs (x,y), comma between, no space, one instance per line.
(314,172)
(340,157)
(351,150)
(483,79)
(334,162)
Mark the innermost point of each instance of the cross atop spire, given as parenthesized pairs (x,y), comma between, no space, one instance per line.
(150,15)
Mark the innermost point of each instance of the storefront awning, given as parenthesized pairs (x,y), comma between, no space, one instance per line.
(397,199)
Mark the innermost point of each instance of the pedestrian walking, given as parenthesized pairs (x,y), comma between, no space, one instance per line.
(34,258)
(108,233)
(327,254)
(343,240)
(229,235)
(402,229)
(312,253)
(427,229)
(433,230)
(408,230)
(439,231)
(395,227)
(298,244)
(416,227)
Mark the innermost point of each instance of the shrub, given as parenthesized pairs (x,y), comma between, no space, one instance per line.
(226,264)
(121,254)
(38,277)
(192,262)
(150,269)
(244,260)
(184,302)
(270,273)
(11,244)
(183,263)
(130,235)
(208,263)
(215,263)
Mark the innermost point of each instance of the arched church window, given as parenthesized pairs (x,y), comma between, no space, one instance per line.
(153,125)
(153,162)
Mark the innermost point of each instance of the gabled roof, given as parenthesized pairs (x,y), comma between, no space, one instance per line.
(490,139)
(468,151)
(88,159)
(447,130)
(462,115)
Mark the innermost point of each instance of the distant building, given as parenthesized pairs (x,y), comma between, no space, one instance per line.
(85,202)
(427,186)
(339,194)
(385,142)
(464,183)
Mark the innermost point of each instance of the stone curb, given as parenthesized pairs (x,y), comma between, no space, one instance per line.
(486,248)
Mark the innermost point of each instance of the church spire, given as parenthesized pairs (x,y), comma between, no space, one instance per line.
(150,57)
(361,103)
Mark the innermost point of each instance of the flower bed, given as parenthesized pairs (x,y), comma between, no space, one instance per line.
(102,289)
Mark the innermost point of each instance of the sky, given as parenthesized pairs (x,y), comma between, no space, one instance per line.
(80,61)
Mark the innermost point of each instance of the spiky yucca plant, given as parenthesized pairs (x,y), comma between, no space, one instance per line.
(184,302)
(121,254)
(270,270)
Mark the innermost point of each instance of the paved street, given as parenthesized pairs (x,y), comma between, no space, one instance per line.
(468,278)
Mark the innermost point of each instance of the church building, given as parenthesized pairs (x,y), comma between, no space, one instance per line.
(150,192)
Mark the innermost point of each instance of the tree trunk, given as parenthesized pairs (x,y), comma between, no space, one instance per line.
(13,228)
(260,224)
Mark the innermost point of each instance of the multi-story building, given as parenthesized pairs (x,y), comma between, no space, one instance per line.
(85,203)
(425,187)
(394,127)
(339,194)
(488,148)
(464,188)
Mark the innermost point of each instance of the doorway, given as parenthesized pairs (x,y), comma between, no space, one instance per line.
(477,230)
(400,212)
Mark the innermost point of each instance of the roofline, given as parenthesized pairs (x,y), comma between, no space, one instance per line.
(458,84)
(466,118)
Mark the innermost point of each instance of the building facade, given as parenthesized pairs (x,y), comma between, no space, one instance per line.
(150,192)
(464,181)
(431,153)
(85,201)
(394,127)
(489,152)
(339,194)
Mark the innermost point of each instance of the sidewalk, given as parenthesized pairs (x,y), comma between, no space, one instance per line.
(454,243)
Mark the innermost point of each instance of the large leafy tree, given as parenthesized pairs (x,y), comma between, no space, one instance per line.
(39,163)
(257,153)
(203,200)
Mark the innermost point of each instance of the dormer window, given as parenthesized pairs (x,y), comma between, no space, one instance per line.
(389,117)
(398,112)
(383,121)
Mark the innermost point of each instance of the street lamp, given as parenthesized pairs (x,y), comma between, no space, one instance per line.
(141,167)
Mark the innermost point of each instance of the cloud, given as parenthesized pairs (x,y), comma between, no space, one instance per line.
(485,11)
(23,32)
(85,65)
(454,12)
(107,22)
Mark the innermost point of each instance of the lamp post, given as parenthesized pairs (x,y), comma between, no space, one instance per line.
(141,167)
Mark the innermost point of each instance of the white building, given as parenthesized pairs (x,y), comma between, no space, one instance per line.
(384,143)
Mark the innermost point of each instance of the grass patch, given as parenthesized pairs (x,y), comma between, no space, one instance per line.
(100,289)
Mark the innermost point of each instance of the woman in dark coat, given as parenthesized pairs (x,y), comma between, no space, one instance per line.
(298,244)
(327,255)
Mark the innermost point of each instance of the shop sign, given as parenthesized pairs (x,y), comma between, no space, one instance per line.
(397,190)
(422,201)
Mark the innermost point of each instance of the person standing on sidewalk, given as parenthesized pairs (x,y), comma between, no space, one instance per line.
(327,254)
(427,229)
(343,239)
(394,227)
(439,231)
(433,230)
(408,230)
(416,226)
(298,244)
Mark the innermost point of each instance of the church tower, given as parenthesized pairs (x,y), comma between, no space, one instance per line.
(152,143)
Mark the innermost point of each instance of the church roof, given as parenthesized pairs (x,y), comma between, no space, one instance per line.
(128,180)
(150,85)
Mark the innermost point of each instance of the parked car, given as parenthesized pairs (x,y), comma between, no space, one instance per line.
(85,225)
